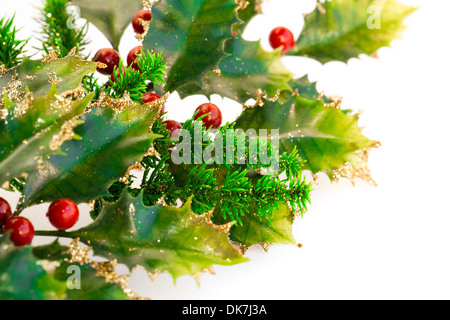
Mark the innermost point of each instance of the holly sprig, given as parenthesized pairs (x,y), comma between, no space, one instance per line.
(112,131)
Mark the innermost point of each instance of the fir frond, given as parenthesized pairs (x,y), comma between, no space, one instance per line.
(152,69)
(56,34)
(11,48)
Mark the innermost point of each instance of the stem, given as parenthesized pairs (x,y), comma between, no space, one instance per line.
(52,233)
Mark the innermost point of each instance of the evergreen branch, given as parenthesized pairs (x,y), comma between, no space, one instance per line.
(134,82)
(152,67)
(10,47)
(232,188)
(56,34)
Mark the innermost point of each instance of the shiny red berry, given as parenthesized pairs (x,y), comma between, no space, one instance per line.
(5,211)
(151,97)
(282,37)
(63,214)
(145,15)
(109,57)
(22,230)
(132,56)
(115,74)
(214,117)
(174,128)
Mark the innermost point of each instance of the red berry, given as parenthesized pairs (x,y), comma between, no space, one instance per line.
(132,56)
(174,128)
(115,74)
(145,15)
(282,37)
(22,230)
(151,97)
(213,119)
(63,214)
(5,211)
(109,57)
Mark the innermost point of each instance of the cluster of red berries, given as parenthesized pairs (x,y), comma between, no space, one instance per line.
(212,119)
(111,57)
(62,213)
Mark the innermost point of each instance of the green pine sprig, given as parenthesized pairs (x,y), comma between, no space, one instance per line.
(135,82)
(56,33)
(11,48)
(233,189)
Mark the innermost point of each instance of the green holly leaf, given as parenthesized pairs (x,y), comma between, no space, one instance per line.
(111,17)
(256,230)
(158,238)
(246,14)
(344,29)
(22,276)
(38,77)
(248,68)
(326,137)
(191,36)
(28,130)
(110,143)
(91,286)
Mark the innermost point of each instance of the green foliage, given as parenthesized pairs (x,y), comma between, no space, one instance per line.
(89,166)
(135,82)
(56,33)
(27,131)
(22,276)
(340,29)
(158,238)
(260,230)
(38,77)
(111,17)
(91,286)
(191,35)
(247,68)
(11,48)
(326,137)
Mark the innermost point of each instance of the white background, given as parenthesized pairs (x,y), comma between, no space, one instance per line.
(363,242)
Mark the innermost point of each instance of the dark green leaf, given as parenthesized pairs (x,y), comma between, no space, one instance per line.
(39,77)
(247,69)
(111,17)
(91,286)
(326,137)
(22,276)
(158,238)
(111,142)
(26,138)
(191,35)
(255,229)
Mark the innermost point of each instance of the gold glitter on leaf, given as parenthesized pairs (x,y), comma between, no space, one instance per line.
(241,4)
(104,270)
(360,170)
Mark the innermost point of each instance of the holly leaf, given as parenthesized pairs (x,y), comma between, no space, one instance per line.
(30,130)
(91,286)
(247,68)
(22,276)
(38,77)
(256,230)
(191,36)
(111,17)
(89,166)
(344,29)
(326,137)
(158,238)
